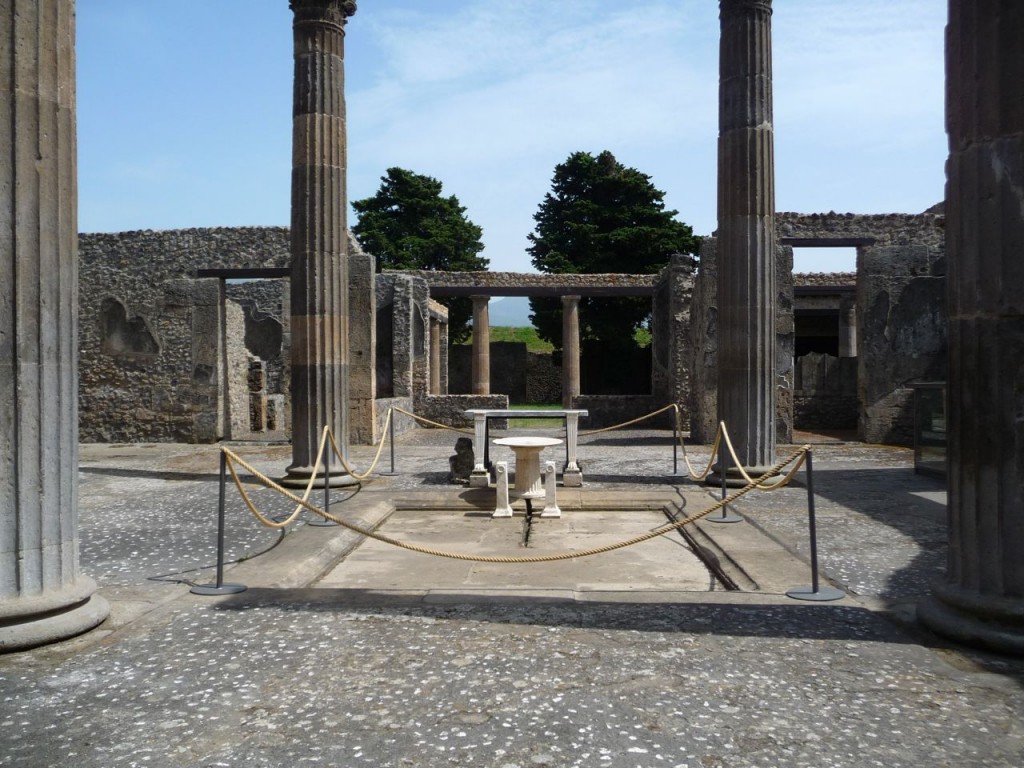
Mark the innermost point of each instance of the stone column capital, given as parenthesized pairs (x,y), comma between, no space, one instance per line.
(743,7)
(570,299)
(335,12)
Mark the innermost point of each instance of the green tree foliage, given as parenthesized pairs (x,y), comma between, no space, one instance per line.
(409,224)
(600,217)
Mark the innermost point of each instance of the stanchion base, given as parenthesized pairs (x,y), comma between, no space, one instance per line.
(728,517)
(213,589)
(824,594)
(387,474)
(320,522)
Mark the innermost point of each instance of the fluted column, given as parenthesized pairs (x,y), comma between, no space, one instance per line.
(481,346)
(319,233)
(43,595)
(570,350)
(746,232)
(435,356)
(981,599)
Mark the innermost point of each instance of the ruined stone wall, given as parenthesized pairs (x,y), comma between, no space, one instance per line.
(901,315)
(266,335)
(237,417)
(785,344)
(703,346)
(825,392)
(543,378)
(362,347)
(671,355)
(151,336)
(612,410)
(448,409)
(886,229)
(530,280)
(901,335)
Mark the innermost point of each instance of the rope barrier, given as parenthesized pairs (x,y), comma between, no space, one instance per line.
(695,476)
(232,458)
(437,424)
(376,458)
(625,424)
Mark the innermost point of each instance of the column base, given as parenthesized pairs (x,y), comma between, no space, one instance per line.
(298,477)
(993,623)
(31,622)
(733,478)
(479,479)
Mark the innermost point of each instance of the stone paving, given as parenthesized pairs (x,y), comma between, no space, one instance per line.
(320,673)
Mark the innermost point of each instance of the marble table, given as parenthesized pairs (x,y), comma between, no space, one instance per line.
(527,451)
(480,478)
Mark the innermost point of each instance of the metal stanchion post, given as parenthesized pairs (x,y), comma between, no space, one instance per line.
(675,444)
(391,446)
(815,591)
(220,588)
(727,516)
(323,522)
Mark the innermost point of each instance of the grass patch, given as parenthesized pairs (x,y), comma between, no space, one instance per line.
(525,335)
(531,423)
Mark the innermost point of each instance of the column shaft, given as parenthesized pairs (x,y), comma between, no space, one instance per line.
(435,356)
(481,346)
(981,600)
(746,232)
(43,596)
(319,236)
(570,350)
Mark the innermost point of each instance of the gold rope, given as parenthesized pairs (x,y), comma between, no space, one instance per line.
(702,476)
(775,483)
(433,423)
(345,464)
(628,423)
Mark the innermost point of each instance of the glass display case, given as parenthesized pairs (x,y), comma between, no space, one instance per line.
(930,427)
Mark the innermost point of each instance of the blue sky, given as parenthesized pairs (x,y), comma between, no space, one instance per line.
(184,106)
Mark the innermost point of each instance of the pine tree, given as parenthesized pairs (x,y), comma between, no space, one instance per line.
(409,224)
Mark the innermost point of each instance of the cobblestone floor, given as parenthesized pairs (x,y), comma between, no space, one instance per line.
(283,677)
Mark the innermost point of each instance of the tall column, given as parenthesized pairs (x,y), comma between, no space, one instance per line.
(570,350)
(746,232)
(981,599)
(319,233)
(435,356)
(481,346)
(43,595)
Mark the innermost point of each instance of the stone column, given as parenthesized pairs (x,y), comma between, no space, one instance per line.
(481,346)
(746,232)
(442,331)
(981,599)
(319,233)
(435,356)
(570,350)
(848,326)
(43,595)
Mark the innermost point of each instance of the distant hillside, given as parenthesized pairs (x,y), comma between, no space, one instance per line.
(527,335)
(513,311)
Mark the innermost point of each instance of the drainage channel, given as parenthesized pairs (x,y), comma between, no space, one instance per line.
(710,560)
(527,523)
